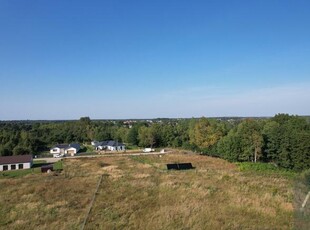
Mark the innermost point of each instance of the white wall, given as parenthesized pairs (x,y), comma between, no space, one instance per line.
(26,166)
(118,148)
(55,150)
(70,149)
(112,148)
(99,147)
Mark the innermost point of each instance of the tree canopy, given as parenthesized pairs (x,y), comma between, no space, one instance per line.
(283,139)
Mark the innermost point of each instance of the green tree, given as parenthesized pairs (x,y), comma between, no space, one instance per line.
(243,143)
(206,133)
(229,147)
(287,141)
(132,136)
(121,134)
(146,137)
(4,151)
(20,150)
(85,120)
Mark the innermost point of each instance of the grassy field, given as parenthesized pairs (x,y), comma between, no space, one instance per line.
(138,192)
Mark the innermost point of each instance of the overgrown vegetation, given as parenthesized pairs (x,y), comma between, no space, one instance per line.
(265,169)
(20,173)
(139,193)
(301,190)
(58,165)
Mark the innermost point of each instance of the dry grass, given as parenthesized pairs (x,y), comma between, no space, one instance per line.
(139,193)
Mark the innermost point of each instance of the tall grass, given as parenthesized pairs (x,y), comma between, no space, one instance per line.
(265,168)
(301,189)
(138,193)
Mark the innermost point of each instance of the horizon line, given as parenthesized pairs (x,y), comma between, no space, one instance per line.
(120,119)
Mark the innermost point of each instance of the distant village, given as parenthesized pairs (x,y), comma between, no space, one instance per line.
(8,163)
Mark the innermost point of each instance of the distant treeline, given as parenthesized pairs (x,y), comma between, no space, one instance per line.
(282,139)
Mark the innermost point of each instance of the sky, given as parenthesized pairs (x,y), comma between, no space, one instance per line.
(122,59)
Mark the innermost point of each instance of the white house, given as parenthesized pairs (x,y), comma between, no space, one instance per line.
(110,145)
(72,149)
(9,163)
(59,149)
(62,149)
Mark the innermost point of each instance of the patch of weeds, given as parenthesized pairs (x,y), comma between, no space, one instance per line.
(3,219)
(305,178)
(58,165)
(301,209)
(275,191)
(102,164)
(265,169)
(212,190)
(246,166)
(187,184)
(53,213)
(19,173)
(142,159)
(226,177)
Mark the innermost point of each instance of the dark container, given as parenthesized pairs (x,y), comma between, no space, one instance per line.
(47,168)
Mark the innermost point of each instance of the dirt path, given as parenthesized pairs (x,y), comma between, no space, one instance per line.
(53,160)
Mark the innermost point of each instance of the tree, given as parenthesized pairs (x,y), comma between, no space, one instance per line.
(206,133)
(243,143)
(121,134)
(85,120)
(20,150)
(4,151)
(258,143)
(229,147)
(132,136)
(287,141)
(272,138)
(146,137)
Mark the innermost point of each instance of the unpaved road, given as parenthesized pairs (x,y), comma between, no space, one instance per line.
(53,160)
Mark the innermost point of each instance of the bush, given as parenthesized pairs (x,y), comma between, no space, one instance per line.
(266,169)
(245,166)
(305,177)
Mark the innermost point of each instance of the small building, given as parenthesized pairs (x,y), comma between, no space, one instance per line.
(47,168)
(111,146)
(72,149)
(63,149)
(8,163)
(59,149)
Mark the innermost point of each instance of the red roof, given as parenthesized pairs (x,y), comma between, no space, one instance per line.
(15,159)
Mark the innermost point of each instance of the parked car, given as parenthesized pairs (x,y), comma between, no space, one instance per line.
(148,150)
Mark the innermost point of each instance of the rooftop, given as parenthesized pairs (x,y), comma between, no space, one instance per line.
(15,159)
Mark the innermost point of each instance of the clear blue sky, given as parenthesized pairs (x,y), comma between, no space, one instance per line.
(147,59)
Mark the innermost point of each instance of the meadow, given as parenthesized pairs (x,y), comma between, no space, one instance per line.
(138,192)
